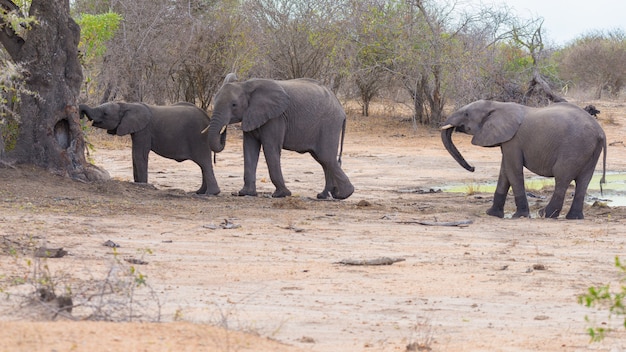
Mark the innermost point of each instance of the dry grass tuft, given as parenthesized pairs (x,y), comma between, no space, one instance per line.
(289,203)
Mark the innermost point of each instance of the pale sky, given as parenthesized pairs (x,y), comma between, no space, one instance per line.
(566,20)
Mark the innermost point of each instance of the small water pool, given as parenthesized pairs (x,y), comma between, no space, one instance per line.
(614,191)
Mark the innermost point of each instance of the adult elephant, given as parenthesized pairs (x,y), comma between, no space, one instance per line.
(171,131)
(299,115)
(561,141)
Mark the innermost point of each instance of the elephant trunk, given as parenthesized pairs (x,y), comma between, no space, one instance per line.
(84,110)
(446,137)
(217,136)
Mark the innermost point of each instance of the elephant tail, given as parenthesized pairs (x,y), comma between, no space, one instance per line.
(343,134)
(603,179)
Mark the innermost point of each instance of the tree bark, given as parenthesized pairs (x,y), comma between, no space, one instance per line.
(537,84)
(50,134)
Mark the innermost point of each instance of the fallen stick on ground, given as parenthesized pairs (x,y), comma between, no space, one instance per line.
(460,223)
(377,261)
(44,252)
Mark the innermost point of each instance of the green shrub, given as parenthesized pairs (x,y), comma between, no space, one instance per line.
(603,298)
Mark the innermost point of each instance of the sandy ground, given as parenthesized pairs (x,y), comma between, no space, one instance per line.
(233,273)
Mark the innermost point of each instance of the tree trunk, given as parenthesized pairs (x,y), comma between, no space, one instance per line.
(598,93)
(50,134)
(537,85)
(436,99)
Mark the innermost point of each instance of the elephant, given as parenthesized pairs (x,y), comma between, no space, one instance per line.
(560,140)
(172,131)
(299,115)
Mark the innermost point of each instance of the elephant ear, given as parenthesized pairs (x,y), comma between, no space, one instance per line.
(499,124)
(133,118)
(267,100)
(230,78)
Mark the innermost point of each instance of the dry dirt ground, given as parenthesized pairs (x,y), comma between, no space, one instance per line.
(231,273)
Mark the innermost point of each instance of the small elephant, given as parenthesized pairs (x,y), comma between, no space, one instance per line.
(561,141)
(299,115)
(171,131)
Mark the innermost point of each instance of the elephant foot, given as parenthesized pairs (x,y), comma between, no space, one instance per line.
(245,192)
(495,212)
(574,216)
(323,195)
(549,213)
(521,202)
(497,209)
(282,193)
(208,192)
(347,192)
(521,214)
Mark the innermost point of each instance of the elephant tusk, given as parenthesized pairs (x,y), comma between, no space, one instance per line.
(223,129)
(446,127)
(204,131)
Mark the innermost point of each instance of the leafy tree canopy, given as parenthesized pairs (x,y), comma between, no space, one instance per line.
(96,30)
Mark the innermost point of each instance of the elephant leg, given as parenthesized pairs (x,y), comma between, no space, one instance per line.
(251,150)
(497,208)
(521,203)
(202,189)
(553,209)
(499,197)
(272,158)
(328,181)
(344,188)
(209,183)
(513,166)
(576,210)
(141,149)
(336,181)
(582,182)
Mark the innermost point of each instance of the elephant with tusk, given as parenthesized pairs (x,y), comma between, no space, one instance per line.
(299,115)
(561,141)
